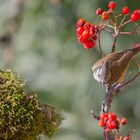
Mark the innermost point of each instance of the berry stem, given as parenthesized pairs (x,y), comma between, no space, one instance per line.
(99,43)
(94,115)
(129,33)
(123,19)
(115,39)
(113,22)
(107,30)
(106,135)
(125,23)
(110,26)
(119,15)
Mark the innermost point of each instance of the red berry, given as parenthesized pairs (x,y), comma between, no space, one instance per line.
(94,37)
(134,17)
(82,39)
(120,138)
(111,124)
(104,115)
(86,34)
(102,123)
(126,138)
(112,116)
(105,15)
(81,22)
(125,10)
(137,12)
(112,5)
(89,44)
(80,30)
(99,11)
(136,45)
(87,25)
(123,121)
(92,29)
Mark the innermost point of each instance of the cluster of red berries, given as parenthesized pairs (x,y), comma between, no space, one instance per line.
(106,14)
(135,15)
(125,10)
(86,33)
(110,121)
(123,138)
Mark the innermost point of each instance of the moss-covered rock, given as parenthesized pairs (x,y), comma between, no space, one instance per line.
(22,116)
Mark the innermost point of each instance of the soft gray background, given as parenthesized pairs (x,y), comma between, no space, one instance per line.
(56,66)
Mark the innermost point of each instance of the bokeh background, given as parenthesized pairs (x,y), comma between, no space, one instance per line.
(38,40)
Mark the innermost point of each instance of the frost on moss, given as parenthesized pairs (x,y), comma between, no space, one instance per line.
(22,116)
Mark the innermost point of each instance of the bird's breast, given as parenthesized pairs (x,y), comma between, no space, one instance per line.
(102,75)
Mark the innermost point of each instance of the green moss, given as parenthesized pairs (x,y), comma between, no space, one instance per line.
(22,116)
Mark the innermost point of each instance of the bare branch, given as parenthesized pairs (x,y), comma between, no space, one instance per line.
(125,23)
(118,88)
(129,33)
(99,43)
(115,39)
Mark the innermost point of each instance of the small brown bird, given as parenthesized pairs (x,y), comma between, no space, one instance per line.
(112,69)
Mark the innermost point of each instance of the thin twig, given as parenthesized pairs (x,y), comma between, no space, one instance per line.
(94,115)
(110,26)
(115,39)
(118,89)
(119,15)
(129,33)
(107,30)
(106,135)
(99,43)
(123,20)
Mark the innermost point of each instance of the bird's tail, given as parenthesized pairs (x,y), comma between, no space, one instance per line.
(135,50)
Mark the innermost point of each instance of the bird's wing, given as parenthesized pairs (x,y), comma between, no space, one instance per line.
(122,60)
(104,60)
(120,67)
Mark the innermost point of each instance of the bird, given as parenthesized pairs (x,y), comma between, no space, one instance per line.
(112,69)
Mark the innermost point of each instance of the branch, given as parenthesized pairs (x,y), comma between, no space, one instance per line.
(106,104)
(118,88)
(108,135)
(107,30)
(125,23)
(99,43)
(110,26)
(129,33)
(123,20)
(115,39)
(94,115)
(119,15)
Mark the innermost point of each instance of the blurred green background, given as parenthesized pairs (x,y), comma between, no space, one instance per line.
(46,53)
